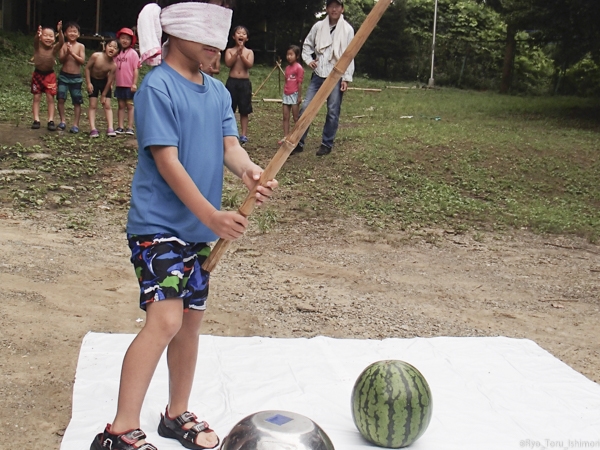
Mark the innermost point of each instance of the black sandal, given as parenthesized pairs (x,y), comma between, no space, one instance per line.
(125,441)
(173,428)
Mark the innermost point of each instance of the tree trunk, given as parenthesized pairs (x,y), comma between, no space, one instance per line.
(509,58)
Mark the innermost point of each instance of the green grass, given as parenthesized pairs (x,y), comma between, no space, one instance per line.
(463,160)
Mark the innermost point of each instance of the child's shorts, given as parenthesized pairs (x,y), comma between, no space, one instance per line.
(70,82)
(168,267)
(99,85)
(241,94)
(43,82)
(291,99)
(123,93)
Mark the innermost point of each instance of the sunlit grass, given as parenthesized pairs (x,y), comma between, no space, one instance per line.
(403,158)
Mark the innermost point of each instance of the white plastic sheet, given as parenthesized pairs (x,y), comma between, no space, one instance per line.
(488,393)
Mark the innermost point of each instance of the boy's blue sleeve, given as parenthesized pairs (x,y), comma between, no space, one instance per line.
(229,123)
(155,120)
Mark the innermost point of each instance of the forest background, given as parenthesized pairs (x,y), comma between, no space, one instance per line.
(519,46)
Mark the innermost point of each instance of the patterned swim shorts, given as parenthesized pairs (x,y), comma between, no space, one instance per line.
(70,82)
(43,82)
(168,267)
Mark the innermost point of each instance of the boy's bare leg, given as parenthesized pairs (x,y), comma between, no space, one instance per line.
(130,116)
(163,321)
(50,101)
(286,119)
(92,112)
(77,111)
(61,110)
(37,99)
(244,122)
(121,113)
(182,354)
(108,112)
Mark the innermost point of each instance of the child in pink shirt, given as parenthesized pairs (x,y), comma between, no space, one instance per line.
(126,76)
(292,91)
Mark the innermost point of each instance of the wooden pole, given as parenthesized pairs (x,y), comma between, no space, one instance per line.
(279,65)
(263,83)
(29,27)
(364,89)
(98,16)
(303,123)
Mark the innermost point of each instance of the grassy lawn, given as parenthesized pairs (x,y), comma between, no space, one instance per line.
(406,158)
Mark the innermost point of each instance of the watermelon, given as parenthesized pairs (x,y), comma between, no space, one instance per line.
(391,404)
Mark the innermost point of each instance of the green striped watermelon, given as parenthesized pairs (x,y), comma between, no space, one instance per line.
(391,404)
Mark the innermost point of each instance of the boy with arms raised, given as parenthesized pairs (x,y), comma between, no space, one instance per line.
(43,79)
(186,132)
(72,57)
(99,77)
(240,59)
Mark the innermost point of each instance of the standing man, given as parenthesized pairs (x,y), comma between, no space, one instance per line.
(323,47)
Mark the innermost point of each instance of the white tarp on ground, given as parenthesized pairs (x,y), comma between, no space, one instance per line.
(488,393)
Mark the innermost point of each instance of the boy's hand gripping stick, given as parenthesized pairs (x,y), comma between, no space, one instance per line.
(303,123)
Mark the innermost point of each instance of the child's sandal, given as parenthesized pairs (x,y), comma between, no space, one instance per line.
(125,441)
(173,428)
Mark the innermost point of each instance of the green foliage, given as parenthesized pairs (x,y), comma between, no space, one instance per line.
(387,52)
(407,158)
(468,43)
(583,78)
(16,51)
(533,67)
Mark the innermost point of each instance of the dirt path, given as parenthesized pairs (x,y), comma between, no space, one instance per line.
(304,278)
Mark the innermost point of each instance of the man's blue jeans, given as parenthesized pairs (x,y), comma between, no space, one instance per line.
(334,106)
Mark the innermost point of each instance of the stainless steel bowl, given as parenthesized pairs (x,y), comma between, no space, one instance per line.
(276,430)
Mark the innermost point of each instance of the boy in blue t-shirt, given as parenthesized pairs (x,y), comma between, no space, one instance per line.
(186,132)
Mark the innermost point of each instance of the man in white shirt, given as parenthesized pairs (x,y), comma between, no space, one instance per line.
(323,47)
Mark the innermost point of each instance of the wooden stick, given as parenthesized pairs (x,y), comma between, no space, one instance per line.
(303,123)
(266,79)
(397,87)
(364,89)
(273,100)
(279,65)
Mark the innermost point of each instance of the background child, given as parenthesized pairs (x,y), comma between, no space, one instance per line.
(72,57)
(292,91)
(186,133)
(43,80)
(215,66)
(126,77)
(240,59)
(99,76)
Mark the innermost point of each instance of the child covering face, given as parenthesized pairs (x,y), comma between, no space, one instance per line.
(240,59)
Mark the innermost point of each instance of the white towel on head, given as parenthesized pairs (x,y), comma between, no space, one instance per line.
(341,37)
(203,23)
(150,33)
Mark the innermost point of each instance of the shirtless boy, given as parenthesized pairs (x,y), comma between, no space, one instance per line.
(43,79)
(72,57)
(99,77)
(240,59)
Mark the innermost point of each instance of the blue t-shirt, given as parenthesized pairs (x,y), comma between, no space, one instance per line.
(173,111)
